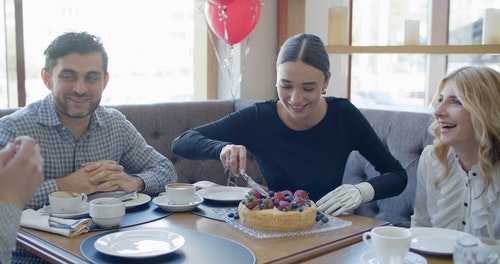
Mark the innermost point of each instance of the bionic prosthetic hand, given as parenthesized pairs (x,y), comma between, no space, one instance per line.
(345,198)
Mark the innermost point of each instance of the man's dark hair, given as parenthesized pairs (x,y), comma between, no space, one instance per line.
(79,42)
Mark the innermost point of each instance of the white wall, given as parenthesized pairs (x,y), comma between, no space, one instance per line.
(258,66)
(254,58)
(317,23)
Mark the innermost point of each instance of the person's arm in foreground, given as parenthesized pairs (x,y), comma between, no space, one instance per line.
(20,176)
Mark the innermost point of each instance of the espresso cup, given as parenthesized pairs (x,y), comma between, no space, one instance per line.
(390,243)
(65,202)
(106,214)
(180,193)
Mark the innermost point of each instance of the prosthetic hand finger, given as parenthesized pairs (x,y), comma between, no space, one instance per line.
(331,195)
(334,200)
(347,207)
(339,206)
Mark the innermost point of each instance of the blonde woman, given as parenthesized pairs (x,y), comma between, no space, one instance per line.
(459,175)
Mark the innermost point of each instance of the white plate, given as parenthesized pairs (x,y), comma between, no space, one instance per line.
(410,258)
(82,212)
(164,203)
(439,241)
(205,184)
(141,243)
(142,198)
(224,193)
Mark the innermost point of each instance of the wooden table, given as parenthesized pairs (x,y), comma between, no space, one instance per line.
(352,254)
(60,249)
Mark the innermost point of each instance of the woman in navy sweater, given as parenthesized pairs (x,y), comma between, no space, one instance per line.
(302,139)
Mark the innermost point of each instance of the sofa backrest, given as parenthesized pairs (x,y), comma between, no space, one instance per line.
(160,123)
(405,135)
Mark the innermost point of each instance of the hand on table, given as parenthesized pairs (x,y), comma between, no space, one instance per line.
(104,175)
(345,198)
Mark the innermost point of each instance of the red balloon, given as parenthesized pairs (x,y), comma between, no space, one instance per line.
(221,2)
(232,22)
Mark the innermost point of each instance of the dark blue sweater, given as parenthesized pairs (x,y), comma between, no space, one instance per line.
(313,160)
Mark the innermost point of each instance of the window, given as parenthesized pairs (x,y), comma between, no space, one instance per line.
(400,80)
(149,43)
(387,79)
(466,28)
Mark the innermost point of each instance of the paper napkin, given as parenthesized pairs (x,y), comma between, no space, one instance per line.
(65,227)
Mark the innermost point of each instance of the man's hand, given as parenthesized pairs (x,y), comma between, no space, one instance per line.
(104,175)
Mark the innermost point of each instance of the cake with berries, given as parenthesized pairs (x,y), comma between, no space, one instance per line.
(281,211)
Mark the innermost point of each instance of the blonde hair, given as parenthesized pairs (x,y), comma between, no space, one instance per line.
(478,89)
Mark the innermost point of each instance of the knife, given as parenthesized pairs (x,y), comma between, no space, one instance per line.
(254,185)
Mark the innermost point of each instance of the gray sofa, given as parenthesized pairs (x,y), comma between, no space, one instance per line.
(404,133)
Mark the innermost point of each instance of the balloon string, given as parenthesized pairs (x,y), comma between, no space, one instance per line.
(229,52)
(225,65)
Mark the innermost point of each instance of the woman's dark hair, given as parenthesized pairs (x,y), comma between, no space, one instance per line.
(306,48)
(81,43)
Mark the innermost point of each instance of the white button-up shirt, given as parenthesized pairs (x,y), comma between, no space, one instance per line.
(456,202)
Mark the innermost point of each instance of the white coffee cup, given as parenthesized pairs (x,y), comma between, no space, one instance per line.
(65,202)
(105,214)
(180,193)
(390,243)
(488,244)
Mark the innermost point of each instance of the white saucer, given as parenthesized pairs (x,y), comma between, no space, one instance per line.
(410,258)
(82,212)
(164,203)
(205,184)
(142,198)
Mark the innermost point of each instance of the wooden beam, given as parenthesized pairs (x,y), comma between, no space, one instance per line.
(291,18)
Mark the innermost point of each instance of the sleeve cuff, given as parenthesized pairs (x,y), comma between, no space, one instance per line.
(367,191)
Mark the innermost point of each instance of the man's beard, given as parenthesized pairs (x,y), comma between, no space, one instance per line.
(62,108)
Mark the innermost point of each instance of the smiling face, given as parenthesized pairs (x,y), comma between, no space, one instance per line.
(76,83)
(455,122)
(300,104)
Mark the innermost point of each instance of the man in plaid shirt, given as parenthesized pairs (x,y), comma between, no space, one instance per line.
(85,147)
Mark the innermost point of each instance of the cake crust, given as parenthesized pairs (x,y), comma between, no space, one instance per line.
(276,220)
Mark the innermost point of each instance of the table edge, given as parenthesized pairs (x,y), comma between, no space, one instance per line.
(39,247)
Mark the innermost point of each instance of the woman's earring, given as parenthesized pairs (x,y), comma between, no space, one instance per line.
(323,91)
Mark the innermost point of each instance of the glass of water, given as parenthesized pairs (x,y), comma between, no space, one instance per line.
(468,250)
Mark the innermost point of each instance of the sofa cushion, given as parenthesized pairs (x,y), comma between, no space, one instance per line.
(405,135)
